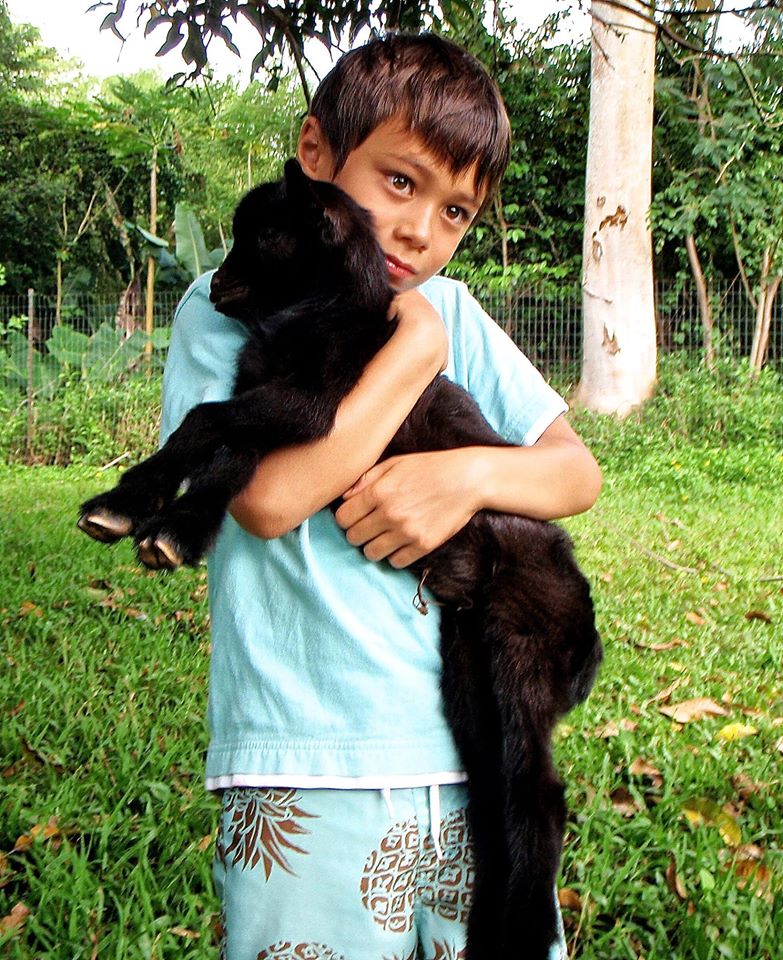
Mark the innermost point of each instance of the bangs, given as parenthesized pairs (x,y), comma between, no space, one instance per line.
(440,92)
(460,134)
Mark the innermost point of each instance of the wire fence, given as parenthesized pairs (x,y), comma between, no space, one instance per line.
(75,373)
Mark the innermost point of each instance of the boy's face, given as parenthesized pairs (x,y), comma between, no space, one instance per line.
(421,210)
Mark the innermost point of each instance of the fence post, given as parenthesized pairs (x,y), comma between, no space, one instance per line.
(30,367)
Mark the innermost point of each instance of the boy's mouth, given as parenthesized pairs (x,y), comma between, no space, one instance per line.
(398,270)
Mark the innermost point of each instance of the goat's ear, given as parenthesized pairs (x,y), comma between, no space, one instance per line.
(298,187)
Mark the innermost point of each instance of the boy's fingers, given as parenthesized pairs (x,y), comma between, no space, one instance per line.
(365,530)
(380,547)
(359,506)
(368,477)
(406,556)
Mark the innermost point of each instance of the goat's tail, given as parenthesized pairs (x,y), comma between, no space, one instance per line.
(534,809)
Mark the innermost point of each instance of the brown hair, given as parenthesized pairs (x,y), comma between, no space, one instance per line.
(443,94)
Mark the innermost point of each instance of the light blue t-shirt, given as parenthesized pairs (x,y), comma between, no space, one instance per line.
(321,665)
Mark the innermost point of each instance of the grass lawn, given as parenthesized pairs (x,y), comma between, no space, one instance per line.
(674,840)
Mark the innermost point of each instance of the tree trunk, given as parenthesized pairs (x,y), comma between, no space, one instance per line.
(508,325)
(705,307)
(58,306)
(766,300)
(150,312)
(619,366)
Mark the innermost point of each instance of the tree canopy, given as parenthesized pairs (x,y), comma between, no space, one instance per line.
(282,28)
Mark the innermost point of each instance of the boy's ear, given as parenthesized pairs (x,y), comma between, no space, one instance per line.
(313,151)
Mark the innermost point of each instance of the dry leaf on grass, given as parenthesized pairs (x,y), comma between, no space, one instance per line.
(696,617)
(700,811)
(28,609)
(758,615)
(695,709)
(746,787)
(665,694)
(641,768)
(752,872)
(6,871)
(569,900)
(674,881)
(44,830)
(661,647)
(205,843)
(624,803)
(735,731)
(15,919)
(184,932)
(613,729)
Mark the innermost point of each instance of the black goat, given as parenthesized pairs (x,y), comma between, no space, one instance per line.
(519,644)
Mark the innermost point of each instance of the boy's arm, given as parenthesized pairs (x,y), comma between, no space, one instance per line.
(407,506)
(294,483)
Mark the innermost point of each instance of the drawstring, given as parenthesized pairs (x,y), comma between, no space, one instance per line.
(435,820)
(386,792)
(434,798)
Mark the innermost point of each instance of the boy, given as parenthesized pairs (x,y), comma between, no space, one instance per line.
(343,830)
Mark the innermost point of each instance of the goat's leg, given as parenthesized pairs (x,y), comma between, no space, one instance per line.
(256,423)
(187,527)
(146,488)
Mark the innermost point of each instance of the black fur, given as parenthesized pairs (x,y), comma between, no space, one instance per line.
(519,643)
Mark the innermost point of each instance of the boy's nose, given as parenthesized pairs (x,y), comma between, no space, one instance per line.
(414,228)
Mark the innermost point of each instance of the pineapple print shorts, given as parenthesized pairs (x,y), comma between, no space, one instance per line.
(322,874)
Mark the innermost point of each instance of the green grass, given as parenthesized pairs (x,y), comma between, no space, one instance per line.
(104,689)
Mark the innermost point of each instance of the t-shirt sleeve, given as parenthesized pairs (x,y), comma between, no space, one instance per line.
(511,393)
(201,361)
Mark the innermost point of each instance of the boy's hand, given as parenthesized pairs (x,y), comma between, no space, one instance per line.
(416,315)
(406,506)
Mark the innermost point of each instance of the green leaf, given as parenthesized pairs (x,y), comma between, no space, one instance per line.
(191,248)
(146,235)
(110,354)
(68,345)
(161,338)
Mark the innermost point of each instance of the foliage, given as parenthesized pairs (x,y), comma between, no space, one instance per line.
(232,139)
(80,159)
(715,423)
(545,85)
(105,355)
(87,421)
(26,66)
(718,149)
(90,393)
(282,31)
(192,251)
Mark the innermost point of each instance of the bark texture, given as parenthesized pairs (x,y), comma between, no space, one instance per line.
(619,367)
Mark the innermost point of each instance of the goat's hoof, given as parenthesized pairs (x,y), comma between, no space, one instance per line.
(159,553)
(104,526)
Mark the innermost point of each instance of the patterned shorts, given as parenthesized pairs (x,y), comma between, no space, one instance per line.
(345,874)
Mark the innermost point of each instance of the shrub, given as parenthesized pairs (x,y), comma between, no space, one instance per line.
(698,420)
(89,422)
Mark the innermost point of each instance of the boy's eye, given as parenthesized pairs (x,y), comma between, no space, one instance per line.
(457,214)
(400,182)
